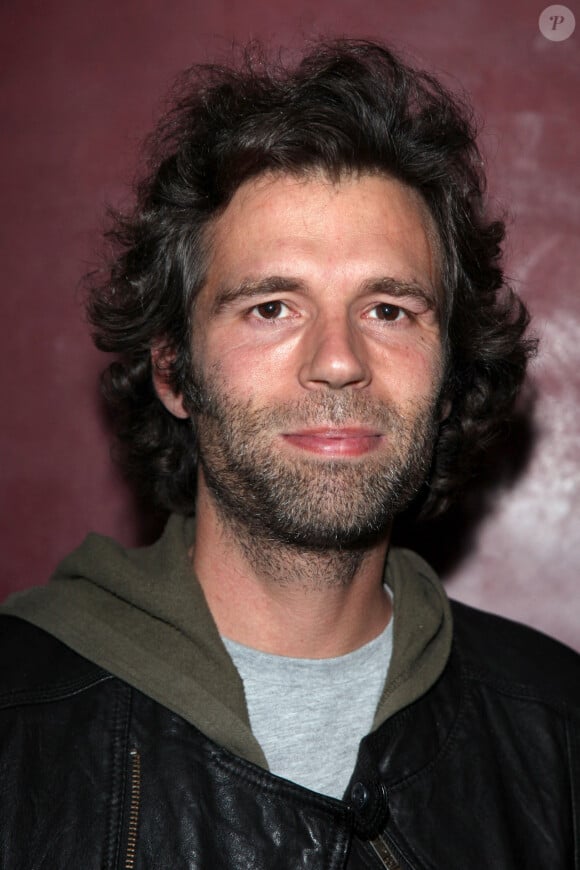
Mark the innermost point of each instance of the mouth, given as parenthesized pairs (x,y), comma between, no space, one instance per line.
(335,442)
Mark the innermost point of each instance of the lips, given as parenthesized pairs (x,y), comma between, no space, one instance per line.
(336,442)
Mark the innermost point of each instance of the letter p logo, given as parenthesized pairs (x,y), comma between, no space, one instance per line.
(557,23)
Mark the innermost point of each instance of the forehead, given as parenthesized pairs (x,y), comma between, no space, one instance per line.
(278,223)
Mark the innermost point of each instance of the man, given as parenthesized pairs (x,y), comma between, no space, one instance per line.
(312,330)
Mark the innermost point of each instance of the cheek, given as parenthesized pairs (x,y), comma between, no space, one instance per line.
(410,372)
(253,367)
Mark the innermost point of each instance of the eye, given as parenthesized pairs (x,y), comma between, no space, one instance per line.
(271,310)
(386,311)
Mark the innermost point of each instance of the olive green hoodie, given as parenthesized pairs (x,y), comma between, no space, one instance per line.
(141,615)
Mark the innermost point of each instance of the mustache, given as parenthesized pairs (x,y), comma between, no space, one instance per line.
(321,409)
(206,397)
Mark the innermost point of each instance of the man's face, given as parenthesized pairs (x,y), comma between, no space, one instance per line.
(317,357)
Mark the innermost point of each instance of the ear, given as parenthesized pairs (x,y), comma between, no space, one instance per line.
(161,359)
(445,410)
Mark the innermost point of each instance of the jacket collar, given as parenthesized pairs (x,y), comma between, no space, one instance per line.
(141,615)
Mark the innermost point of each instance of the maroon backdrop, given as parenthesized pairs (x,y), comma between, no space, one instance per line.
(82,82)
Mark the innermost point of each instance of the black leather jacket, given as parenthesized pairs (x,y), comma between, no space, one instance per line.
(483,771)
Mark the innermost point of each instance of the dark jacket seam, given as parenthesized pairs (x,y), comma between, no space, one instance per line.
(444,750)
(521,691)
(58,693)
(120,773)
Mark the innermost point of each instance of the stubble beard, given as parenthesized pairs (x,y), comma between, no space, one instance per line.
(284,508)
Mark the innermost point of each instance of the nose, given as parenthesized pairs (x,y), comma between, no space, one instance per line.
(334,356)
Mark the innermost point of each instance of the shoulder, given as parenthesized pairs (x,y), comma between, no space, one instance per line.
(34,665)
(515,657)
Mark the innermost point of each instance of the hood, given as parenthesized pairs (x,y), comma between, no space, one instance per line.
(141,615)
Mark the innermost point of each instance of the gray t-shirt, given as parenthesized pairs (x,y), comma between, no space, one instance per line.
(309,715)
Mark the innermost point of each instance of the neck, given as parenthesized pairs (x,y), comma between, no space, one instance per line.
(286,600)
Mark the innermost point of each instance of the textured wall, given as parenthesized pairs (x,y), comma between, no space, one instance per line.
(81,83)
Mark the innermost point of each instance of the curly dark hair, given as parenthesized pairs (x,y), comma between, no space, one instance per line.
(348,106)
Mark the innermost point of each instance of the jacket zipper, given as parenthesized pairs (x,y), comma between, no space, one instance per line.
(133,809)
(383,853)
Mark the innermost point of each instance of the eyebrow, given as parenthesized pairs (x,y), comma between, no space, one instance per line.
(250,289)
(401,289)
